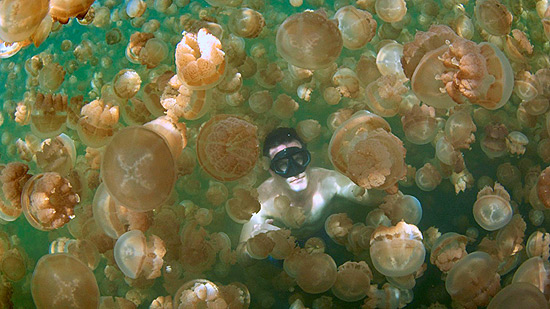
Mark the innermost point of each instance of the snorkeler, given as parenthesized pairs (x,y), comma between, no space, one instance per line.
(308,189)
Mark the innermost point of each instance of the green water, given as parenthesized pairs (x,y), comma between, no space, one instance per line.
(441,208)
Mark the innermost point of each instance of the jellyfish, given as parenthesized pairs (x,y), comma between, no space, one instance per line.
(97,123)
(19,20)
(337,226)
(402,207)
(492,209)
(420,124)
(398,250)
(199,293)
(493,17)
(64,276)
(246,23)
(242,205)
(84,250)
(227,147)
(317,273)
(535,272)
(391,11)
(447,250)
(518,295)
(473,280)
(126,83)
(62,10)
(137,255)
(358,27)
(48,201)
(13,177)
(48,115)
(543,187)
(301,40)
(57,155)
(200,60)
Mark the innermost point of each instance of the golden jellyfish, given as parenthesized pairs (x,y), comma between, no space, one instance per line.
(493,142)
(301,40)
(227,147)
(518,295)
(384,95)
(200,60)
(64,276)
(493,17)
(246,23)
(13,177)
(473,280)
(391,10)
(62,10)
(358,27)
(352,281)
(543,187)
(447,250)
(180,101)
(19,19)
(492,209)
(538,244)
(534,271)
(242,205)
(337,227)
(138,255)
(13,264)
(57,155)
(48,201)
(459,129)
(199,293)
(48,115)
(399,207)
(316,273)
(97,123)
(82,249)
(138,168)
(420,124)
(126,83)
(398,250)
(51,76)
(135,8)
(364,149)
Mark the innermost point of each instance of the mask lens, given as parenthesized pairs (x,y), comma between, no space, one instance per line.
(290,161)
(281,165)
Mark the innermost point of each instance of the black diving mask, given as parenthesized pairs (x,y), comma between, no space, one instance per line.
(290,161)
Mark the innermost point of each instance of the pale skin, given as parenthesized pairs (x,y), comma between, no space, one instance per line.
(311,191)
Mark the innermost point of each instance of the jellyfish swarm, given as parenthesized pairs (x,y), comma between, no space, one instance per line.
(364,149)
(62,281)
(138,168)
(309,40)
(227,147)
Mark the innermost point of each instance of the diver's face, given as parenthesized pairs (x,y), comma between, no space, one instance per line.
(295,182)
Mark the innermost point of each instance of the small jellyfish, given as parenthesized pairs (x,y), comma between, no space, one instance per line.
(13,177)
(337,227)
(473,280)
(66,277)
(82,249)
(493,17)
(388,60)
(538,244)
(227,147)
(200,60)
(48,201)
(135,8)
(51,76)
(447,250)
(316,273)
(199,293)
(57,155)
(48,115)
(420,124)
(516,142)
(543,187)
(97,123)
(246,23)
(302,37)
(126,83)
(402,207)
(385,95)
(62,10)
(398,250)
(459,129)
(137,255)
(138,168)
(391,10)
(180,101)
(242,205)
(493,142)
(492,209)
(352,281)
(358,27)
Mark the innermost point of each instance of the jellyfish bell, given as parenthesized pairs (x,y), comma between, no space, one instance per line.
(135,254)
(358,27)
(227,147)
(301,40)
(62,10)
(317,273)
(518,295)
(138,168)
(19,20)
(492,209)
(69,279)
(352,281)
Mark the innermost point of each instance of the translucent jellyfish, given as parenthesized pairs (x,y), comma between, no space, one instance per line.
(493,142)
(534,271)
(402,207)
(196,252)
(352,281)
(518,47)
(388,60)
(135,8)
(138,168)
(493,17)
(337,227)
(543,187)
(301,40)
(284,107)
(62,10)
(397,250)
(358,27)
(136,255)
(242,205)
(308,130)
(419,124)
(447,250)
(316,273)
(387,297)
(82,249)
(19,20)
(538,244)
(384,95)
(347,83)
(260,101)
(126,83)
(64,276)
(363,149)
(227,147)
(200,60)
(48,201)
(13,177)
(246,23)
(57,155)
(14,264)
(173,132)
(51,76)
(48,115)
(391,10)
(459,129)
(473,280)
(199,293)
(516,142)
(97,123)
(518,295)
(114,218)
(236,295)
(180,101)
(492,209)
